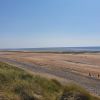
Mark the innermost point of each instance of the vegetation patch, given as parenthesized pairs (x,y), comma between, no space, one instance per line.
(17,84)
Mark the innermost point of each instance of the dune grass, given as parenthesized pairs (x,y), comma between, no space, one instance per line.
(17,84)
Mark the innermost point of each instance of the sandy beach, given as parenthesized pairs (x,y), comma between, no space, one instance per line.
(81,68)
(84,63)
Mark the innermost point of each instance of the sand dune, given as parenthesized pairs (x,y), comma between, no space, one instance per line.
(72,67)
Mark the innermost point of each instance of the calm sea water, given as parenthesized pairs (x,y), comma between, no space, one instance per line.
(61,49)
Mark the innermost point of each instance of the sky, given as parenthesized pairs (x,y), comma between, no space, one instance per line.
(49,23)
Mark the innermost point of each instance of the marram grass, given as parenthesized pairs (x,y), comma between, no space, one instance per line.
(17,84)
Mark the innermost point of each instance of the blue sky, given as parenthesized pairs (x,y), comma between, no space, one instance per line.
(49,23)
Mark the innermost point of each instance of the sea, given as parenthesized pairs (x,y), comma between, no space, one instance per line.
(58,49)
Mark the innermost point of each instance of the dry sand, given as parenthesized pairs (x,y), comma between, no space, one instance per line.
(84,63)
